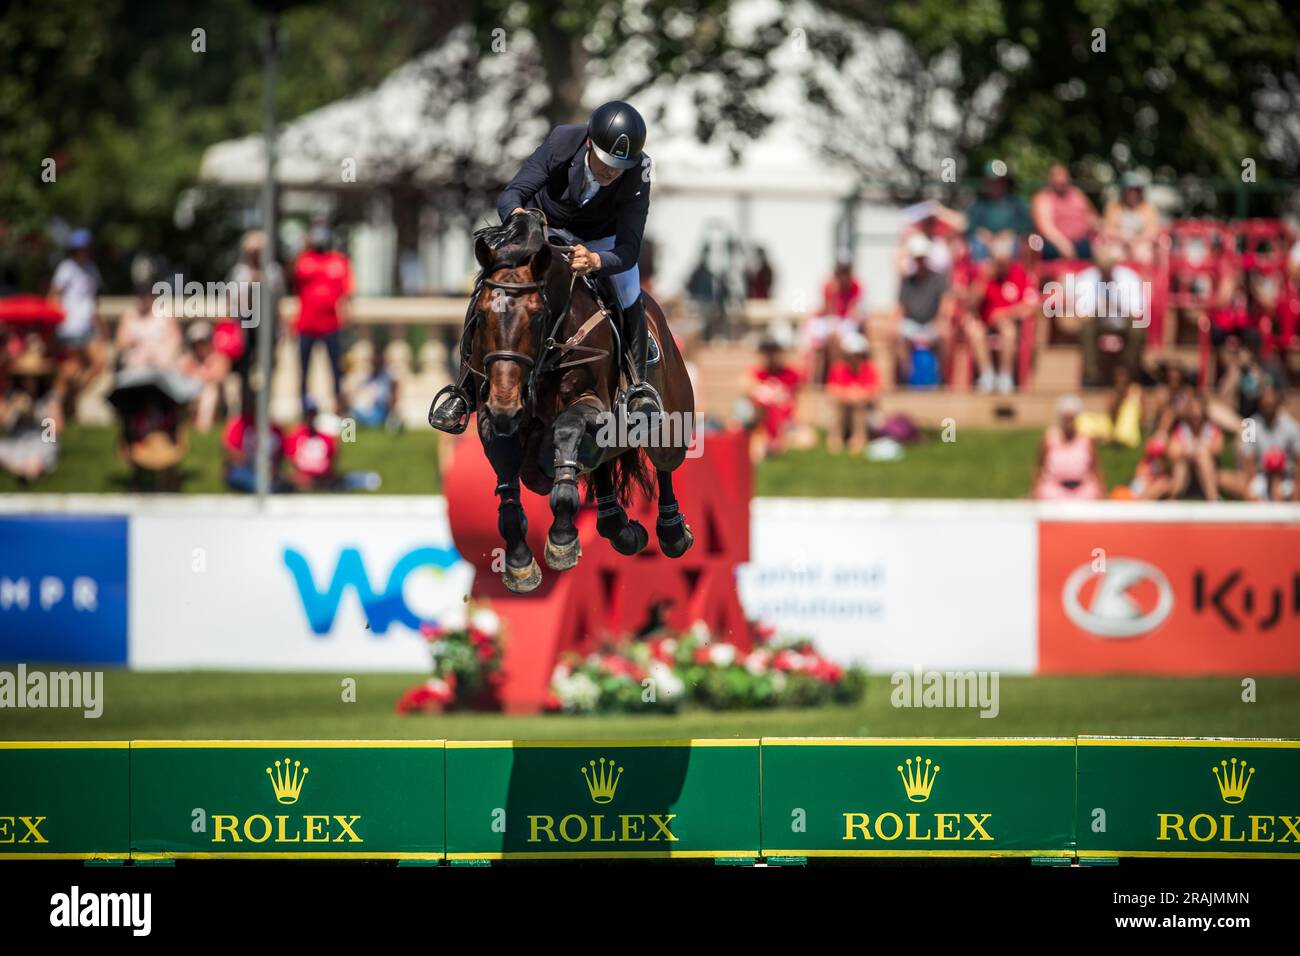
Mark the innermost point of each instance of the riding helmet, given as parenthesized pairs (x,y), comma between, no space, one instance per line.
(617,134)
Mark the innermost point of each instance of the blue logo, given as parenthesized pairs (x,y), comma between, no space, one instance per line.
(381,609)
(63,588)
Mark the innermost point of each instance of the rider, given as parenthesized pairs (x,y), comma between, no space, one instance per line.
(577,178)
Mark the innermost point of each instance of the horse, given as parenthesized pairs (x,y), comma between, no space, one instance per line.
(548,357)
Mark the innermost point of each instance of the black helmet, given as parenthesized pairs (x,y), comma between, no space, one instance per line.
(617,134)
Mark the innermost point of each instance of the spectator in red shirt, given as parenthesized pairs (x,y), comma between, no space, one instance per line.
(1002,297)
(773,394)
(311,452)
(239,449)
(841,314)
(324,281)
(852,384)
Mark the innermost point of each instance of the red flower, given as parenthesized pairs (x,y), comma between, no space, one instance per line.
(702,655)
(486,652)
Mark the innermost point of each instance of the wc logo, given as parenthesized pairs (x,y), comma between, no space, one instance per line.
(383,608)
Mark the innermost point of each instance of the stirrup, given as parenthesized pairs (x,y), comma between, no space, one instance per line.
(642,388)
(456,392)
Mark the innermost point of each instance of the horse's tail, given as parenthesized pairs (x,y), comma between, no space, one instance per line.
(631,472)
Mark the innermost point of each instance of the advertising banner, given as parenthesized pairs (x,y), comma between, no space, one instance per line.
(1169,598)
(64,800)
(63,588)
(897,585)
(287,799)
(629,800)
(310,592)
(857,797)
(1193,797)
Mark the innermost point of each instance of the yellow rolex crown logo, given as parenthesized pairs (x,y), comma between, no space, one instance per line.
(287,780)
(1233,780)
(918,778)
(602,781)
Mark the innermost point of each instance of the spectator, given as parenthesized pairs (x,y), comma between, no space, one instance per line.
(1194,449)
(709,294)
(921,319)
(1173,384)
(773,395)
(1110,299)
(852,384)
(1131,221)
(250,276)
(1267,451)
(312,449)
(1121,423)
(758,279)
(82,354)
(997,214)
(1245,309)
(148,335)
(324,281)
(1068,469)
(1003,297)
(936,223)
(374,401)
(209,367)
(239,450)
(1151,479)
(31,417)
(1064,217)
(841,314)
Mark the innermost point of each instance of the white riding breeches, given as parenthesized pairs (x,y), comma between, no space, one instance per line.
(628,283)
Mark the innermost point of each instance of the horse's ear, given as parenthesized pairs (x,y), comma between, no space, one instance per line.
(541,263)
(482,252)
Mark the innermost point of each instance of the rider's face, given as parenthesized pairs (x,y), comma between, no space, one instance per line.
(602,173)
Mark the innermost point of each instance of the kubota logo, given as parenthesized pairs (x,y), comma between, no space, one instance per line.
(1130,598)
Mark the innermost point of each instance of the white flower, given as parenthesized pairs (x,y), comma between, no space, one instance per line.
(438,647)
(560,673)
(700,630)
(453,619)
(722,654)
(578,692)
(486,620)
(757,662)
(666,681)
(669,645)
(778,680)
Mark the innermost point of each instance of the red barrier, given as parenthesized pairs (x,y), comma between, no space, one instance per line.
(607,594)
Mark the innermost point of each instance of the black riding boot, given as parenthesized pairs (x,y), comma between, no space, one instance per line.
(452,416)
(641,397)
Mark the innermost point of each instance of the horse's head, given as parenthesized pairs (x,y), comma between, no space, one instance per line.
(515,304)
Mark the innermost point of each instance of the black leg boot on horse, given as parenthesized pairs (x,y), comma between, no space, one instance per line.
(641,398)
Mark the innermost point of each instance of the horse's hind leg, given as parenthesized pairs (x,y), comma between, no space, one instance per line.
(520,573)
(627,537)
(674,534)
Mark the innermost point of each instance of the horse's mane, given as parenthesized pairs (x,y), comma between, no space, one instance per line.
(513,242)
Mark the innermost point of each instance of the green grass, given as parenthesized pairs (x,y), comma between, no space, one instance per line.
(219,705)
(980,464)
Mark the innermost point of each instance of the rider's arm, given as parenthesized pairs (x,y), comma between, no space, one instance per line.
(632,210)
(532,175)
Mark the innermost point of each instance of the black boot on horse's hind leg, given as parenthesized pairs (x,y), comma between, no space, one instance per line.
(675,537)
(612,523)
(520,573)
(641,397)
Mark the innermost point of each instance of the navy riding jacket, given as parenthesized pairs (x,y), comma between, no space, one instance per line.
(551,180)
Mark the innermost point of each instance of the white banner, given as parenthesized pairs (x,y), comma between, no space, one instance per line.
(898,585)
(344,591)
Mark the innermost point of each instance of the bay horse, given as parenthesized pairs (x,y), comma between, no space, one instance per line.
(548,359)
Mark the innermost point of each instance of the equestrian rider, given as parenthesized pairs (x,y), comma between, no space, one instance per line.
(579,179)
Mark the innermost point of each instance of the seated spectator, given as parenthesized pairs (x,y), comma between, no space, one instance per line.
(374,401)
(841,313)
(151,405)
(935,223)
(207,366)
(31,415)
(758,278)
(1151,479)
(997,214)
(1246,309)
(1121,423)
(1064,217)
(852,384)
(1068,469)
(1268,449)
(239,450)
(1002,297)
(1194,449)
(312,447)
(1110,299)
(1173,385)
(148,335)
(921,319)
(773,395)
(1131,222)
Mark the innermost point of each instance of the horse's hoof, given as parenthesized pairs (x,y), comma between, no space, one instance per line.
(522,580)
(675,549)
(561,557)
(634,544)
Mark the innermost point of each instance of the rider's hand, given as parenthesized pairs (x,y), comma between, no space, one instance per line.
(584,260)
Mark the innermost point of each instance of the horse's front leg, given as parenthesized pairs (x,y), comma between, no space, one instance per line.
(520,572)
(563,549)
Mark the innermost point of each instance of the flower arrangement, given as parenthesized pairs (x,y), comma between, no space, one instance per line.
(466,651)
(664,672)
